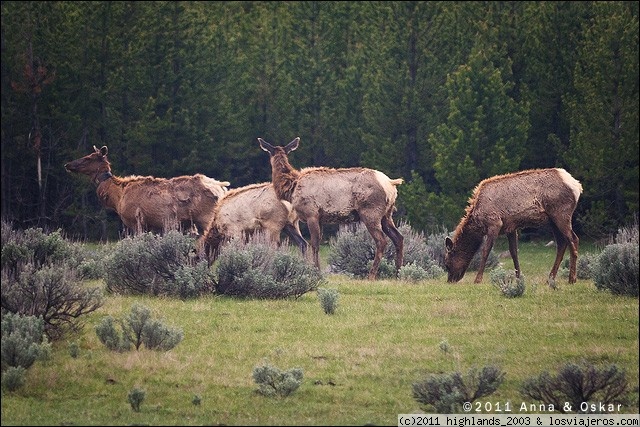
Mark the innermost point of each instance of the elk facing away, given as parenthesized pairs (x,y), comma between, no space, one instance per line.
(244,210)
(504,204)
(324,195)
(145,203)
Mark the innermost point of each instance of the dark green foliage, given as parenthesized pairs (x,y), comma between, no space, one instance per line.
(274,382)
(352,251)
(328,299)
(578,383)
(138,328)
(507,282)
(447,392)
(157,265)
(23,341)
(616,269)
(136,397)
(260,269)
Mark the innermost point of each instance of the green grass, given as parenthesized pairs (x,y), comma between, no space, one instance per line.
(359,363)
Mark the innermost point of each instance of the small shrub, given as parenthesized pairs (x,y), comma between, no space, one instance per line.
(584,266)
(157,265)
(274,382)
(13,378)
(578,383)
(136,397)
(415,273)
(109,336)
(616,269)
(328,299)
(23,341)
(138,328)
(447,392)
(258,268)
(74,350)
(352,250)
(507,282)
(40,277)
(196,400)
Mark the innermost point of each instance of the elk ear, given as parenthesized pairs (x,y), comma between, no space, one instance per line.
(104,150)
(266,146)
(448,243)
(292,145)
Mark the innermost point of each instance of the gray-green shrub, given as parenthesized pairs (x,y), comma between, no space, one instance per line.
(258,268)
(447,392)
(506,281)
(137,328)
(578,383)
(136,397)
(274,382)
(13,378)
(154,264)
(23,341)
(616,269)
(352,249)
(328,299)
(40,278)
(414,273)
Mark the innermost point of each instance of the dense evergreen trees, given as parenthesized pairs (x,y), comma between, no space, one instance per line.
(442,94)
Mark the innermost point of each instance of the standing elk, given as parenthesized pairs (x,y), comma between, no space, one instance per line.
(145,203)
(504,204)
(323,195)
(245,210)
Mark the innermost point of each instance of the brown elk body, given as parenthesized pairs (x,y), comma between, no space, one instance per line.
(146,203)
(324,196)
(507,203)
(245,210)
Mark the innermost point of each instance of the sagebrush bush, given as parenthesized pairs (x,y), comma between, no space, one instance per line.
(40,277)
(135,329)
(506,281)
(23,341)
(274,382)
(616,269)
(352,249)
(578,383)
(154,264)
(13,378)
(414,273)
(258,268)
(447,392)
(328,299)
(136,397)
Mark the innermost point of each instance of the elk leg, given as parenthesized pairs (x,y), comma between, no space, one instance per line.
(486,249)
(294,233)
(561,246)
(381,242)
(564,239)
(513,250)
(316,234)
(390,230)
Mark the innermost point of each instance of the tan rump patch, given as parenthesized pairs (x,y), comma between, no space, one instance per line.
(571,182)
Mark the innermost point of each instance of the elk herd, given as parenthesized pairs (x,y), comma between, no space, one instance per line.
(317,196)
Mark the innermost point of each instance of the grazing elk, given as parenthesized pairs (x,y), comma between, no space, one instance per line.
(244,210)
(323,195)
(504,204)
(145,203)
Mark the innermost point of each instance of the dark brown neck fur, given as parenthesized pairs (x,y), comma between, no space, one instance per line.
(283,175)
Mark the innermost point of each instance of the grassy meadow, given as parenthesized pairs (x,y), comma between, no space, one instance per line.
(359,363)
